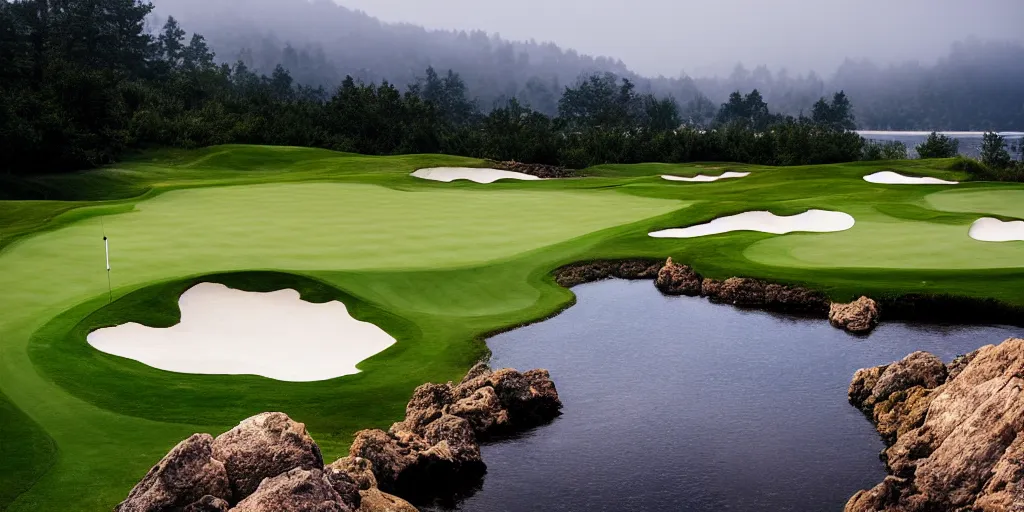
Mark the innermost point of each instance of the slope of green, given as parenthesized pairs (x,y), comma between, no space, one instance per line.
(437,265)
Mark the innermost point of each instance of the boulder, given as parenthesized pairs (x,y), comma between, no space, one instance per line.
(523,400)
(375,500)
(208,504)
(184,477)
(859,316)
(674,279)
(917,369)
(588,272)
(264,446)
(297,490)
(426,405)
(371,499)
(967,452)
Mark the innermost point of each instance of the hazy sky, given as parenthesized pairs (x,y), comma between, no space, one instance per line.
(708,36)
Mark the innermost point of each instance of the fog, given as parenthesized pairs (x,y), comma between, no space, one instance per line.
(905,64)
(705,37)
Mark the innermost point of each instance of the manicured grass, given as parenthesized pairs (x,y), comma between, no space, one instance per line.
(436,265)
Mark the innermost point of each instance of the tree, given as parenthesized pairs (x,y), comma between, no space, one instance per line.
(938,146)
(993,151)
(170,43)
(837,115)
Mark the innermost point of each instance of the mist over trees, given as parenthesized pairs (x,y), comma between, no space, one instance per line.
(320,42)
(976,87)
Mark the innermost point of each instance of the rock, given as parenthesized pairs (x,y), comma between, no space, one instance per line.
(208,504)
(917,369)
(478,370)
(184,477)
(588,272)
(524,400)
(882,497)
(358,469)
(859,316)
(264,446)
(862,387)
(676,279)
(297,490)
(901,412)
(638,269)
(410,465)
(375,500)
(426,405)
(795,299)
(483,411)
(738,291)
(967,452)
(345,485)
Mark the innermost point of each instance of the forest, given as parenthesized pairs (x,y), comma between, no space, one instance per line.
(85,81)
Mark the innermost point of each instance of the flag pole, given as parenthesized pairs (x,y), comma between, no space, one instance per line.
(106,251)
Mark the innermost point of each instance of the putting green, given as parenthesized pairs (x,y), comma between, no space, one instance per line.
(437,265)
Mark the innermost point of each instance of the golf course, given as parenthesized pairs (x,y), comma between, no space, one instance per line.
(437,265)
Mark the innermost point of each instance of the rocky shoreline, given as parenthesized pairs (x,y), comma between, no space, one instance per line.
(953,431)
(860,316)
(269,463)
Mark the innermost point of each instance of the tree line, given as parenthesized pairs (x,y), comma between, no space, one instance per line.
(83,81)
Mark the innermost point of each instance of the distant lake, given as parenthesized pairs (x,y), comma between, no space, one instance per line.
(674,403)
(970,142)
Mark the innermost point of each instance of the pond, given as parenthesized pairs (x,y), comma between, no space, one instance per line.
(674,403)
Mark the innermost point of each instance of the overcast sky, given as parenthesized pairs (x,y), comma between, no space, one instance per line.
(708,36)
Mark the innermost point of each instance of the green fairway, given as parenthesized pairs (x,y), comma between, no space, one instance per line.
(437,265)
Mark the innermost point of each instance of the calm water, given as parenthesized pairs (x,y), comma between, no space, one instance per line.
(678,404)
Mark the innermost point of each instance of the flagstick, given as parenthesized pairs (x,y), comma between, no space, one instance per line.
(106,251)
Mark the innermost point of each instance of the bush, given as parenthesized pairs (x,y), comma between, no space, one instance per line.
(888,150)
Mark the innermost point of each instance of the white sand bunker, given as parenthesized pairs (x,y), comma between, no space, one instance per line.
(988,229)
(450,174)
(701,178)
(895,178)
(231,332)
(814,221)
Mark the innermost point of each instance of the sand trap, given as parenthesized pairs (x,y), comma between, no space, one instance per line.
(701,178)
(814,221)
(450,174)
(988,229)
(231,332)
(895,178)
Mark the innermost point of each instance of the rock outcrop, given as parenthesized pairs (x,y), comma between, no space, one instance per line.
(954,431)
(588,272)
(264,446)
(188,476)
(674,279)
(270,463)
(437,444)
(859,316)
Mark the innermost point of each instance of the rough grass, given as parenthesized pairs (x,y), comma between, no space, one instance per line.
(436,265)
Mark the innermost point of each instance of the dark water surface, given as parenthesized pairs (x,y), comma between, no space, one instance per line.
(676,404)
